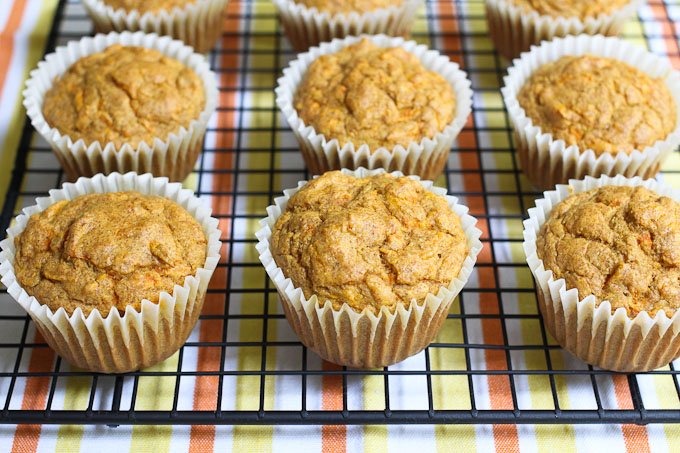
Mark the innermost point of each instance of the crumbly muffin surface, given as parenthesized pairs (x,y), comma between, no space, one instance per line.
(108,251)
(379,96)
(571,8)
(124,94)
(145,6)
(621,244)
(371,242)
(347,6)
(599,103)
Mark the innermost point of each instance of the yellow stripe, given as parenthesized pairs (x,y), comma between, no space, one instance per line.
(36,46)
(250,438)
(155,393)
(375,437)
(77,396)
(451,392)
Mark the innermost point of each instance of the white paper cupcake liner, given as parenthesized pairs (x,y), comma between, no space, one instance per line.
(306,27)
(137,339)
(426,158)
(546,161)
(514,30)
(589,330)
(366,340)
(173,156)
(198,24)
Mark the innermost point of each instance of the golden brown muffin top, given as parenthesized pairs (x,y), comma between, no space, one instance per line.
(371,242)
(124,94)
(598,103)
(347,6)
(570,8)
(144,6)
(374,95)
(108,251)
(621,244)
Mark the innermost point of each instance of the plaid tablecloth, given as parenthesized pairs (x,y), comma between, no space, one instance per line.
(247,122)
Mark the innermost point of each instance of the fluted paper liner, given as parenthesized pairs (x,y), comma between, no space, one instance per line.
(514,30)
(307,26)
(364,339)
(137,339)
(173,156)
(589,330)
(426,158)
(546,161)
(197,24)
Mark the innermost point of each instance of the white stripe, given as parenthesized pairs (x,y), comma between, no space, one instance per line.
(5,9)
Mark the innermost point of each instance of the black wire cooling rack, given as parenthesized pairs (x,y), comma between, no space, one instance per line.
(483,172)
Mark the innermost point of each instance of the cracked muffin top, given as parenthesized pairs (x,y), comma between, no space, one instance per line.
(621,244)
(571,8)
(379,96)
(108,251)
(124,94)
(144,6)
(598,103)
(347,6)
(370,242)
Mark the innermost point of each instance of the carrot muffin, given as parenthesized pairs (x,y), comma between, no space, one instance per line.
(144,6)
(570,8)
(598,103)
(382,97)
(619,243)
(124,95)
(369,242)
(107,251)
(516,25)
(347,6)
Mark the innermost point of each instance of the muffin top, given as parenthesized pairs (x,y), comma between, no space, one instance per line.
(144,6)
(570,8)
(124,94)
(347,6)
(379,96)
(108,251)
(598,103)
(621,244)
(371,242)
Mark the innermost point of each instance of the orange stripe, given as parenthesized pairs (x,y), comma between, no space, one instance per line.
(7,39)
(505,436)
(660,12)
(205,390)
(333,437)
(634,436)
(35,396)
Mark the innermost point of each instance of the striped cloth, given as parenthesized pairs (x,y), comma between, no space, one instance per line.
(24,24)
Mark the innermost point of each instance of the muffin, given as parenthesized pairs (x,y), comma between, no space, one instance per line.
(308,23)
(590,106)
(604,253)
(114,280)
(516,25)
(367,264)
(377,102)
(198,23)
(128,102)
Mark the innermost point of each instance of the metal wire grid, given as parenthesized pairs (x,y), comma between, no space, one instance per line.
(113,399)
